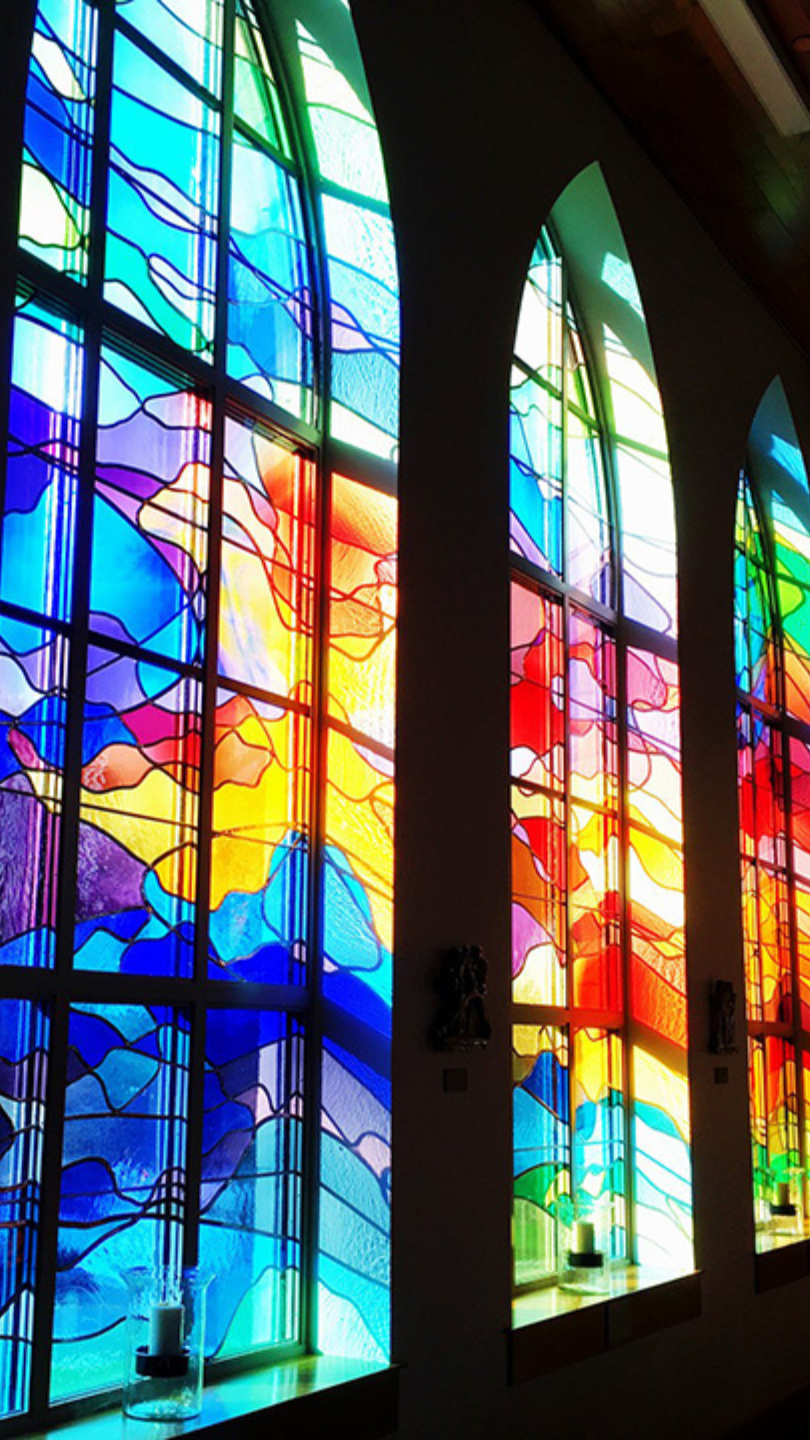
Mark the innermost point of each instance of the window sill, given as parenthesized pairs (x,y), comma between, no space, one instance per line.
(551,1329)
(781,1263)
(314,1396)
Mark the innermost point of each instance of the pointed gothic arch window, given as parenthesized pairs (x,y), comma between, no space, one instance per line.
(772,594)
(197,581)
(601,1096)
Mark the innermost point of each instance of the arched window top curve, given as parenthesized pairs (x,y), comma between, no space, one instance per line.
(602,517)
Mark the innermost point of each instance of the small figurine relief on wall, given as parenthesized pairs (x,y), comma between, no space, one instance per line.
(462,984)
(723,1018)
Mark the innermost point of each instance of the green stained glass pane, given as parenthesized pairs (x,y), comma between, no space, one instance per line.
(539,339)
(164,176)
(255,95)
(189,31)
(344,132)
(56,173)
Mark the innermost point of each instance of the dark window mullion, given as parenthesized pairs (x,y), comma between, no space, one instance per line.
(17,41)
(197,1058)
(71,794)
(293,99)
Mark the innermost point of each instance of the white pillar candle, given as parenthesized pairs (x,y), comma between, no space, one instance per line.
(585,1240)
(166,1329)
(783,1192)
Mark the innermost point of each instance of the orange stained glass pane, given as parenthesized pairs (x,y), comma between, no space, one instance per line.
(538,899)
(268,556)
(259,833)
(801,901)
(360,824)
(797,682)
(538,690)
(753,979)
(362,609)
(655,887)
(773,945)
(594,909)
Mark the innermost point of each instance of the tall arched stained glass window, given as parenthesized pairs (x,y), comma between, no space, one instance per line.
(601,1098)
(197,572)
(773,679)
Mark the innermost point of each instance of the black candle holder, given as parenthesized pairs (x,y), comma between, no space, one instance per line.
(162,1367)
(586,1259)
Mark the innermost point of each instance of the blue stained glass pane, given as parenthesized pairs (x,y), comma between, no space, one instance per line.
(23,1051)
(33,666)
(123,1169)
(353,1263)
(55,197)
(43,455)
(250,1204)
(137,869)
(365,326)
(151,510)
(164,177)
(270,322)
(188,31)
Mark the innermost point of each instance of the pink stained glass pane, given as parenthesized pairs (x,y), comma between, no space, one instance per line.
(592,746)
(654,744)
(538,690)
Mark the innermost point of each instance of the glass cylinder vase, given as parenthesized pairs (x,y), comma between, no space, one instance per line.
(165,1337)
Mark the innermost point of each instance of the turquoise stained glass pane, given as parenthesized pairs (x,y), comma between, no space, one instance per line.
(23,1069)
(535,440)
(188,31)
(164,175)
(151,509)
(122,1182)
(250,1201)
(346,140)
(365,326)
(270,320)
(33,668)
(56,176)
(39,517)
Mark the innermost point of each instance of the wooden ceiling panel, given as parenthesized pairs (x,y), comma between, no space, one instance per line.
(665,69)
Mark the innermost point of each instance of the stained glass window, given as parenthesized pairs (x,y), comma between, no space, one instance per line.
(601,1110)
(198,535)
(772,618)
